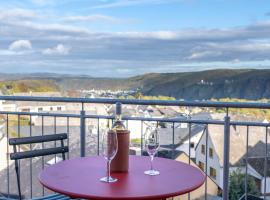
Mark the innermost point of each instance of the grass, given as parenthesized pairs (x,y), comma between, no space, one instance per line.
(136,140)
(13,120)
(258,113)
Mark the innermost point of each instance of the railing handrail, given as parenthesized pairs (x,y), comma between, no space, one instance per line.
(227,122)
(259,105)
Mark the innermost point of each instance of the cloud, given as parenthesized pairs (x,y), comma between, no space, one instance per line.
(204,54)
(125,3)
(44,2)
(60,49)
(16,13)
(130,53)
(20,45)
(92,18)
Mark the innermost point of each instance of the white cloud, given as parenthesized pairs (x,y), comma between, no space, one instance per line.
(124,3)
(204,54)
(91,18)
(60,49)
(45,2)
(113,50)
(20,45)
(16,13)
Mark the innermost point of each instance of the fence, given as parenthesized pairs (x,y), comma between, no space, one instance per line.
(82,132)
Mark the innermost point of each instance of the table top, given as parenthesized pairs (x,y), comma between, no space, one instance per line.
(79,178)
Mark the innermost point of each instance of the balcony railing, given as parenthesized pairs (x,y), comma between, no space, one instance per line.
(83,142)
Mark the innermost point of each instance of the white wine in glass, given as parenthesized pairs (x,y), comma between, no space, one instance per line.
(151,146)
(109,150)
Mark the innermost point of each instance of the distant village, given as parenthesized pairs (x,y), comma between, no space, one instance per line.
(198,144)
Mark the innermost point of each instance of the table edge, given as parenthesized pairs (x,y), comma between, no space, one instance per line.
(74,195)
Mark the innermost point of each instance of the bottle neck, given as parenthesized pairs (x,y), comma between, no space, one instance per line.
(118,124)
(118,117)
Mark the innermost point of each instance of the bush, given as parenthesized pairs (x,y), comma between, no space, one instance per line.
(237,185)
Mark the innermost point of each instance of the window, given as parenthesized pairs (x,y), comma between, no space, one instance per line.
(26,110)
(59,108)
(192,145)
(213,172)
(203,149)
(51,108)
(40,109)
(201,165)
(211,152)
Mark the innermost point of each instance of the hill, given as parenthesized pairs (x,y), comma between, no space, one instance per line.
(13,86)
(250,84)
(242,84)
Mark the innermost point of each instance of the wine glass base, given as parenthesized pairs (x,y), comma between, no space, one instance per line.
(108,179)
(152,172)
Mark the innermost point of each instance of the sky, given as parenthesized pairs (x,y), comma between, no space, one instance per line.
(123,38)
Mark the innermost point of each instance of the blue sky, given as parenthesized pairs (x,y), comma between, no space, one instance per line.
(119,38)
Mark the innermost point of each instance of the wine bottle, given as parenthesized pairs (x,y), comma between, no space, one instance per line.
(120,163)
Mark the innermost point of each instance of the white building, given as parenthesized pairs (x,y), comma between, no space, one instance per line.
(214,152)
(7,106)
(187,145)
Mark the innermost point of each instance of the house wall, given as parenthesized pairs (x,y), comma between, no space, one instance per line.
(211,162)
(45,108)
(1,105)
(185,146)
(7,107)
(212,188)
(267,185)
(135,128)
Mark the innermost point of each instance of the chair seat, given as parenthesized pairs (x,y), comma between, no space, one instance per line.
(53,197)
(49,197)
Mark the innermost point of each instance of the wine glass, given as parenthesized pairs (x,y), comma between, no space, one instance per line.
(151,146)
(109,150)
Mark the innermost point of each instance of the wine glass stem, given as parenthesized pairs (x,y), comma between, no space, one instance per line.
(152,158)
(108,169)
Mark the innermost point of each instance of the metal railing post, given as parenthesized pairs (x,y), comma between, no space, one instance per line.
(226,158)
(82,132)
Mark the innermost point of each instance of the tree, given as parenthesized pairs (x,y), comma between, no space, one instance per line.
(138,95)
(237,185)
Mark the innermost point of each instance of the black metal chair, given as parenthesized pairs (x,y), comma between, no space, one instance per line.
(36,153)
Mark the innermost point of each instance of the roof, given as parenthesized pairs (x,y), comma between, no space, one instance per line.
(258,165)
(256,160)
(168,112)
(180,134)
(259,149)
(237,140)
(201,116)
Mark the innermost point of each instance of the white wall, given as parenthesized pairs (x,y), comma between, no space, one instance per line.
(7,107)
(185,146)
(267,185)
(211,162)
(135,128)
(1,105)
(46,108)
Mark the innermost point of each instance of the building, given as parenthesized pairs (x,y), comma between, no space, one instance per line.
(261,166)
(213,138)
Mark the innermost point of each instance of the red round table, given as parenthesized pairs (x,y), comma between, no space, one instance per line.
(79,178)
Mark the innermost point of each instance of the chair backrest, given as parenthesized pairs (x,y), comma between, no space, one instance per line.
(37,152)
